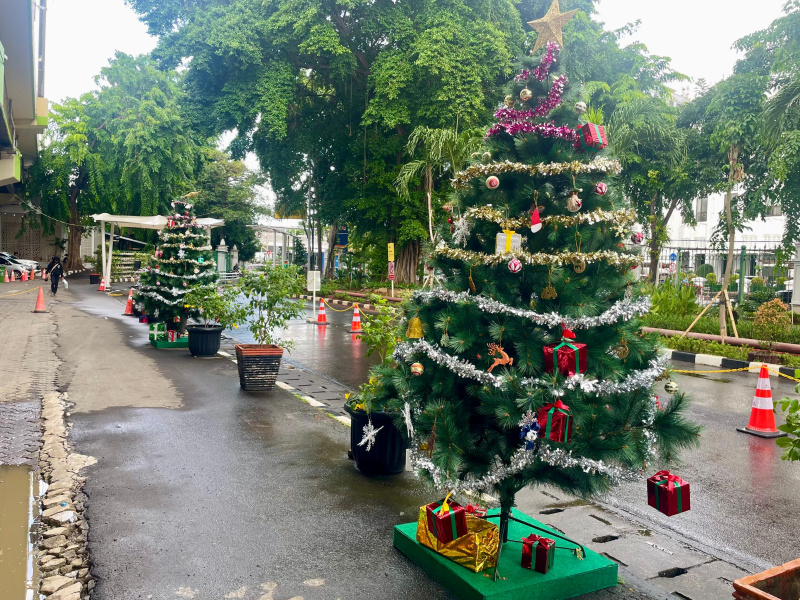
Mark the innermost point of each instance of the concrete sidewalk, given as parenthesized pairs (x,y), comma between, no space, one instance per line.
(204,491)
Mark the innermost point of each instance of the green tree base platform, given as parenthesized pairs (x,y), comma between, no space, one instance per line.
(567,578)
(163,344)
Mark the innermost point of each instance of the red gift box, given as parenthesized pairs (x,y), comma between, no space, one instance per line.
(593,137)
(144,319)
(555,422)
(173,336)
(570,355)
(476,511)
(446,526)
(668,493)
(545,550)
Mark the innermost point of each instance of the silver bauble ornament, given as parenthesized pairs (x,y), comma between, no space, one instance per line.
(671,387)
(580,107)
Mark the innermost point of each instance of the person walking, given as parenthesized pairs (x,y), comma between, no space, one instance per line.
(55,270)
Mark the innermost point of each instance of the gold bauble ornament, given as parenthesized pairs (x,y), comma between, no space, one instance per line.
(414,330)
(525,95)
(549,27)
(487,157)
(622,350)
(417,369)
(579,266)
(671,387)
(509,101)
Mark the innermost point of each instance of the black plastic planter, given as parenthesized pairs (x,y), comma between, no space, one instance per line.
(94,278)
(387,455)
(204,341)
(258,366)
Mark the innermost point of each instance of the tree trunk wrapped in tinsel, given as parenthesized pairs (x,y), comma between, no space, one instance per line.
(182,261)
(469,387)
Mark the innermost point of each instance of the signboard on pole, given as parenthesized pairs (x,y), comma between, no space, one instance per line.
(313,281)
(391,271)
(673,257)
(342,237)
(391,254)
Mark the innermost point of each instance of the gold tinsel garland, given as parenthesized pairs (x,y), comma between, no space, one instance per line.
(561,258)
(620,219)
(575,167)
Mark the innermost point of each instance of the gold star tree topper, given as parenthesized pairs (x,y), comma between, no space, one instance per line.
(549,27)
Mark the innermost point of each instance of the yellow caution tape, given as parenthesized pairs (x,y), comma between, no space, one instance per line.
(757,366)
(336,309)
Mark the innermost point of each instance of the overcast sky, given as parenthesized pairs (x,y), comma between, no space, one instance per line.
(697,34)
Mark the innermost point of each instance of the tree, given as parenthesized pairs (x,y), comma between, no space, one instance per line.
(124,149)
(228,191)
(300,253)
(662,172)
(511,298)
(182,263)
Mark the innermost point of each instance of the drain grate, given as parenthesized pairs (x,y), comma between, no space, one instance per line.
(605,538)
(673,572)
(551,511)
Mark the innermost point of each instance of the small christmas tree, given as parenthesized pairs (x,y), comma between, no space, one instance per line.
(495,386)
(181,262)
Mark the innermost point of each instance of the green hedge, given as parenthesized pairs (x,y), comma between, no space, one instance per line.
(710,325)
(704,347)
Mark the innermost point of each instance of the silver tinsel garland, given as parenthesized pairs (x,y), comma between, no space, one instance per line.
(145,291)
(621,310)
(636,380)
(191,277)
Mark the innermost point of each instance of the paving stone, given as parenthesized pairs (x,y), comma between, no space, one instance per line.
(710,581)
(53,584)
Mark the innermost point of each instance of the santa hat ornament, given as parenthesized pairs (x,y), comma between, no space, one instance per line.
(536,221)
(567,333)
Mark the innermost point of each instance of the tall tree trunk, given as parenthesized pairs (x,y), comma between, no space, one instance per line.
(75,232)
(319,246)
(407,261)
(329,271)
(733,159)
(655,246)
(429,191)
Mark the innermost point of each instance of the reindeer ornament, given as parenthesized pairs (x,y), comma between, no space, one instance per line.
(504,360)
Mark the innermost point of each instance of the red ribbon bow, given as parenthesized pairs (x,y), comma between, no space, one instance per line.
(669,477)
(561,406)
(546,543)
(476,510)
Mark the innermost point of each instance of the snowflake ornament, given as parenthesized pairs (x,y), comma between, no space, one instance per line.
(461,231)
(370,433)
(407,417)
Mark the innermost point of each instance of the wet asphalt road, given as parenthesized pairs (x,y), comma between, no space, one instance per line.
(744,498)
(329,350)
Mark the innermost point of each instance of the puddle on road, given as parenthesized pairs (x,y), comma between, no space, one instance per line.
(701,376)
(18,509)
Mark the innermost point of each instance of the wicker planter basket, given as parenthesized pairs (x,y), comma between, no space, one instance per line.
(258,366)
(778,583)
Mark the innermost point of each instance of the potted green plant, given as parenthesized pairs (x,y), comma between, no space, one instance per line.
(770,321)
(217,310)
(269,305)
(387,455)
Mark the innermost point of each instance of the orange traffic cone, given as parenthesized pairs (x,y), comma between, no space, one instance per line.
(356,328)
(12,276)
(24,276)
(129,305)
(102,287)
(762,418)
(40,302)
(32,275)
(322,319)
(5,279)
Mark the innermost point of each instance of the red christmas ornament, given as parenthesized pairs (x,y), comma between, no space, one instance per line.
(492,182)
(600,189)
(515,266)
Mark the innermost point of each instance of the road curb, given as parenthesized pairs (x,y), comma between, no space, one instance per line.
(345,303)
(725,363)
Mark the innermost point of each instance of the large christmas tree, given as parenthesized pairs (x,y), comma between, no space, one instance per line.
(538,316)
(182,261)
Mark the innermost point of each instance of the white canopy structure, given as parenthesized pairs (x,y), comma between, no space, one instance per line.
(134,222)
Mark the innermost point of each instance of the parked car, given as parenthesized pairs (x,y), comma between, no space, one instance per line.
(17,268)
(30,264)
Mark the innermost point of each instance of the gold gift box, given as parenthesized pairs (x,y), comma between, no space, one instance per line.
(476,550)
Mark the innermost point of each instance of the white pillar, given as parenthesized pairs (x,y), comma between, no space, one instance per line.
(103,249)
(235,256)
(274,247)
(795,293)
(222,257)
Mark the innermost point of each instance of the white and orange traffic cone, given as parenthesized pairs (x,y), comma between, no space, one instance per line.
(102,287)
(762,417)
(5,278)
(13,278)
(24,276)
(32,276)
(356,328)
(129,306)
(40,302)
(322,318)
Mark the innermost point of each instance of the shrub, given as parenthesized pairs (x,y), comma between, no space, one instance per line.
(770,322)
(781,281)
(677,301)
(705,270)
(756,282)
(791,444)
(711,277)
(706,347)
